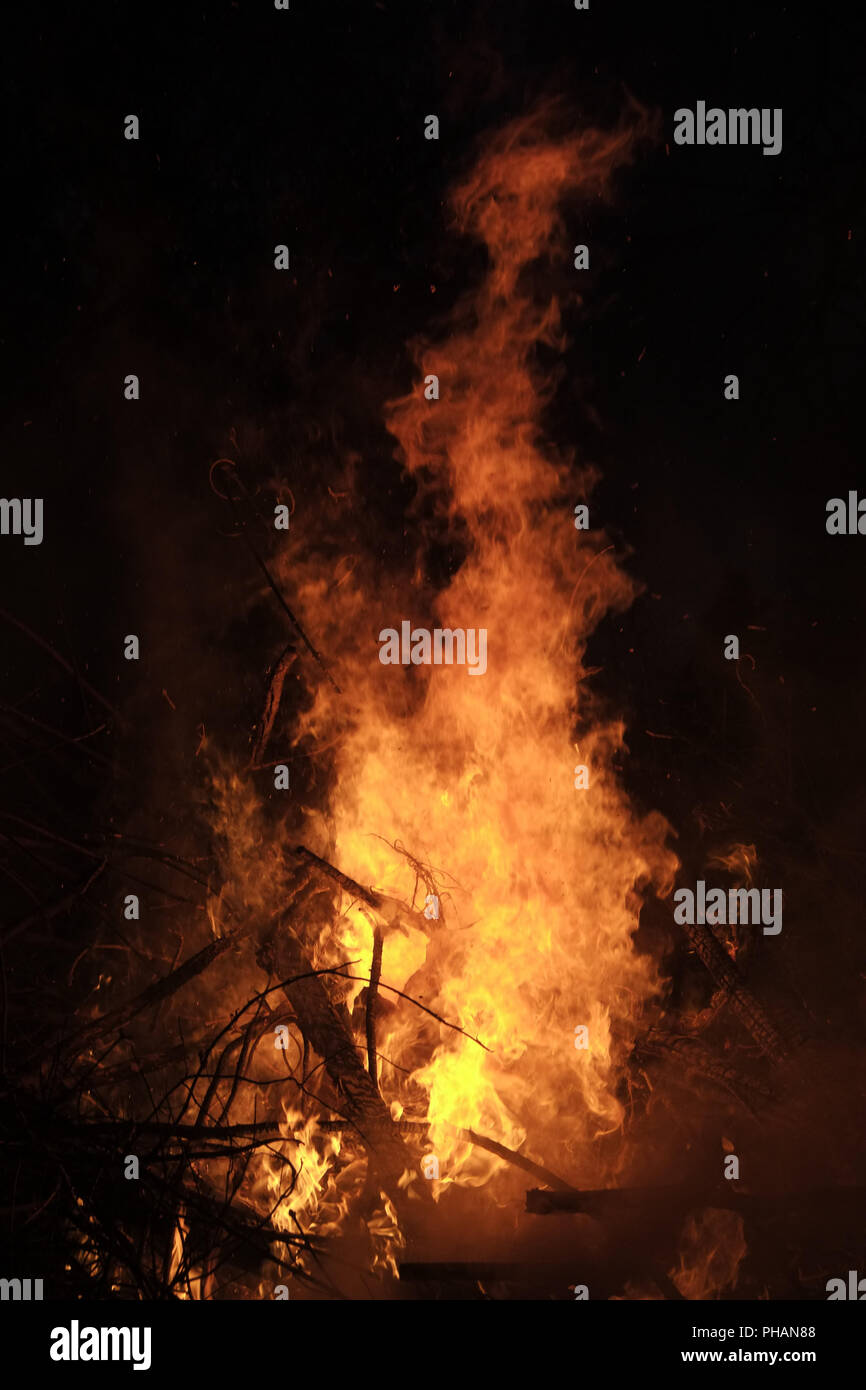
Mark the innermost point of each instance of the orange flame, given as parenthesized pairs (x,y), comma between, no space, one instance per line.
(537,880)
(712,1248)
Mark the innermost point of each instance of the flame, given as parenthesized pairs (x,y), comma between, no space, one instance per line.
(462,787)
(741,861)
(712,1248)
(388,1239)
(317,1191)
(307,1193)
(194,1283)
(471,778)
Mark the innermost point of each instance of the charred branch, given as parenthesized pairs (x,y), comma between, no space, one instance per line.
(372,1003)
(741,999)
(273,698)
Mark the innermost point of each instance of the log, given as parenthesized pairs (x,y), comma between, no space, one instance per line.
(619,1201)
(821,1206)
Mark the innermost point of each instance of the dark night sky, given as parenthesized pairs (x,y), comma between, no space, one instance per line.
(260,127)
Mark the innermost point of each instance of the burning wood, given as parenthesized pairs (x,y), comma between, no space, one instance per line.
(504,1017)
(390,913)
(328,1029)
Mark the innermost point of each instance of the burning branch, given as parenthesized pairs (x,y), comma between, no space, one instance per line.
(389,910)
(328,1029)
